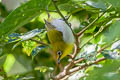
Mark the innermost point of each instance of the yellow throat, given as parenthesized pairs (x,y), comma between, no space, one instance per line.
(60,37)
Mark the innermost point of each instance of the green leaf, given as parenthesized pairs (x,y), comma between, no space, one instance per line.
(36,50)
(22,15)
(44,68)
(13,37)
(90,30)
(111,33)
(70,6)
(28,46)
(10,60)
(115,4)
(109,71)
(97,4)
(30,34)
(2,60)
(16,65)
(17,68)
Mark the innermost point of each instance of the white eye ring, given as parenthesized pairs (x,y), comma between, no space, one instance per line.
(59,53)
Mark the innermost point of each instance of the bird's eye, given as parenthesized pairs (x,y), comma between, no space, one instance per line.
(59,53)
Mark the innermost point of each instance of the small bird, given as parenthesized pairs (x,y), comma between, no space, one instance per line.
(60,36)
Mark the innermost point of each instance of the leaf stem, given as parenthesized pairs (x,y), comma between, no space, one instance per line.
(40,42)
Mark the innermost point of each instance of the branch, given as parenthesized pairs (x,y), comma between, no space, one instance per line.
(83,30)
(85,65)
(76,50)
(54,2)
(64,73)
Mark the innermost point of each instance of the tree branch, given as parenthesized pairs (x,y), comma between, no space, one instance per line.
(59,12)
(85,65)
(54,2)
(64,73)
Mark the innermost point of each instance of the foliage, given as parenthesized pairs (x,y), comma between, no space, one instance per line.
(25,51)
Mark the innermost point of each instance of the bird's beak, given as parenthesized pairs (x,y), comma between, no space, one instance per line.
(59,58)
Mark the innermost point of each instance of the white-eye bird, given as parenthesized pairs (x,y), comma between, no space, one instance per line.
(60,36)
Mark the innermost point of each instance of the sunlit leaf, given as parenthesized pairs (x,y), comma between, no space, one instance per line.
(30,34)
(22,15)
(10,60)
(44,68)
(28,46)
(13,37)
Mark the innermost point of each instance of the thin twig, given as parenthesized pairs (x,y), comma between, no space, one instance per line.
(83,30)
(54,2)
(79,60)
(85,65)
(59,12)
(67,17)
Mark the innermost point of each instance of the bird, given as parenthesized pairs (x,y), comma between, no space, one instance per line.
(60,36)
